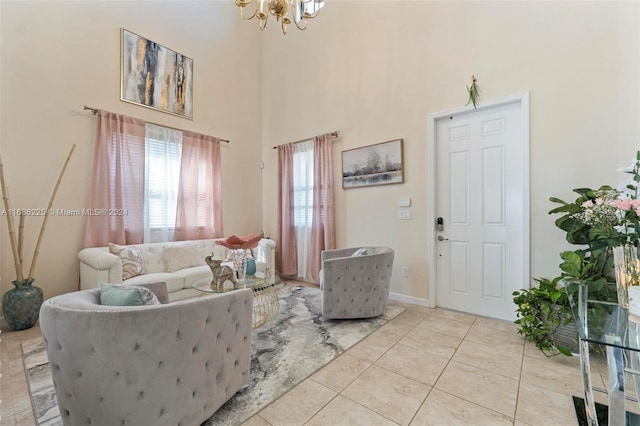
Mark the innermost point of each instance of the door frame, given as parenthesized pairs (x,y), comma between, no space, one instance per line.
(523,100)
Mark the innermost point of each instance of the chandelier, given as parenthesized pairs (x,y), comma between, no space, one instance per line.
(301,11)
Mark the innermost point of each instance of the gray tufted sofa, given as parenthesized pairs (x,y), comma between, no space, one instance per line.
(172,364)
(355,287)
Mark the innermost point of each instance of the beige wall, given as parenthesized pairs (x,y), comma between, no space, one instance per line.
(57,56)
(375,70)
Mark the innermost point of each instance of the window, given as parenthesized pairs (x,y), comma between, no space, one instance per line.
(167,181)
(303,183)
(163,149)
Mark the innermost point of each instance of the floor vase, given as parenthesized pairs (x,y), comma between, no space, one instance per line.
(21,305)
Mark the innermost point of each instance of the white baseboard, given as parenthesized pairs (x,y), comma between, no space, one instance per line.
(409,299)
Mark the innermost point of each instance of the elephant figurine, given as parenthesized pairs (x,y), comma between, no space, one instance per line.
(221,273)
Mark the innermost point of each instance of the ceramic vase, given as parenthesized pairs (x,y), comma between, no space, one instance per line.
(21,305)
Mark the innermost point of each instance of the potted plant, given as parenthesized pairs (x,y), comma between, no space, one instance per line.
(592,221)
(541,311)
(21,305)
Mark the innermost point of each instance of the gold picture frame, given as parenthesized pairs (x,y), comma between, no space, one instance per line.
(154,76)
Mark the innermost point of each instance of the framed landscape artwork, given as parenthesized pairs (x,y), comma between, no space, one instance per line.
(155,76)
(379,164)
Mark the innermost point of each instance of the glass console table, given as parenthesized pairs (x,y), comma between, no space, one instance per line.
(610,325)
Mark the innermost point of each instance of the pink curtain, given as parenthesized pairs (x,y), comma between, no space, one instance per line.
(118,182)
(287,261)
(323,234)
(199,214)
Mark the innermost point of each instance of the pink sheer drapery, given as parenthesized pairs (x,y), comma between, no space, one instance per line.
(199,214)
(287,261)
(323,235)
(118,182)
(323,216)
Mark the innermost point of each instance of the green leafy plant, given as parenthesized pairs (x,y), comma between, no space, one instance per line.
(597,220)
(541,310)
(474,93)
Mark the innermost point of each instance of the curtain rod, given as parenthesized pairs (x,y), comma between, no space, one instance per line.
(333,135)
(94,111)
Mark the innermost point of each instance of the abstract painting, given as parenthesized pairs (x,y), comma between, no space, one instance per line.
(155,76)
(379,164)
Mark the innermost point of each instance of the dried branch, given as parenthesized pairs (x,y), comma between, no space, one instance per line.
(21,239)
(12,233)
(46,214)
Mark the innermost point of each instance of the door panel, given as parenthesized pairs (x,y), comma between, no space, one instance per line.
(480,195)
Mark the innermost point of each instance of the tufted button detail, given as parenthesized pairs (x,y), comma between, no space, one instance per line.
(178,335)
(101,399)
(163,411)
(141,395)
(117,374)
(195,349)
(136,346)
(193,395)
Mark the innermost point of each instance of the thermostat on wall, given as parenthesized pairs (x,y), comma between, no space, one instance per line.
(404,202)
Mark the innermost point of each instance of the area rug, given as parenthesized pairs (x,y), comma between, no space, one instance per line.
(284,352)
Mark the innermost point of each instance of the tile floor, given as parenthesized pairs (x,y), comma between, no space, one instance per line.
(425,367)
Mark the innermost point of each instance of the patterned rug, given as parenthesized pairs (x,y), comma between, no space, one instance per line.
(284,352)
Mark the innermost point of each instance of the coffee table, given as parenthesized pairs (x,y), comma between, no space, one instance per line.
(266,303)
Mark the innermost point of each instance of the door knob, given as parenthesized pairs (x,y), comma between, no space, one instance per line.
(441,238)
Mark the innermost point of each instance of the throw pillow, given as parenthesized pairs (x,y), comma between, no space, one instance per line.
(364,251)
(159,289)
(131,258)
(180,256)
(126,295)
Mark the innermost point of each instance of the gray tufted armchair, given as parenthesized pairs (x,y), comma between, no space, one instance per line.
(355,287)
(172,364)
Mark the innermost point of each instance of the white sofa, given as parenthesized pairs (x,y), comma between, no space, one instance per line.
(98,265)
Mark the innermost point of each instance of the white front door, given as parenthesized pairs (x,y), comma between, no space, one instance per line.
(481,180)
